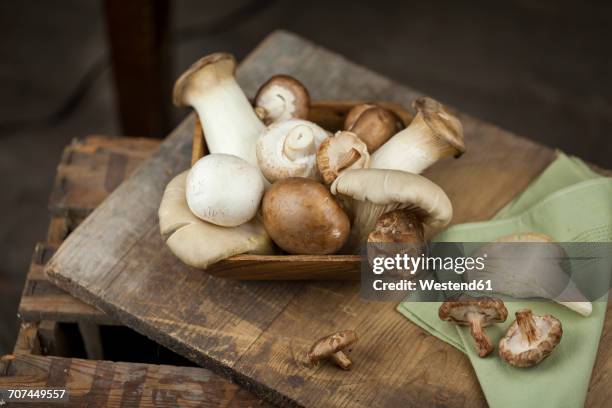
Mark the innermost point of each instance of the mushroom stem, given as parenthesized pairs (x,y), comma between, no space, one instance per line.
(526,325)
(482,341)
(433,134)
(341,360)
(299,143)
(348,159)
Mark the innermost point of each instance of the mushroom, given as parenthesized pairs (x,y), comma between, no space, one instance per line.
(341,152)
(282,97)
(302,217)
(527,265)
(224,189)
(373,124)
(289,149)
(433,134)
(397,232)
(530,339)
(476,312)
(331,347)
(199,243)
(229,122)
(375,192)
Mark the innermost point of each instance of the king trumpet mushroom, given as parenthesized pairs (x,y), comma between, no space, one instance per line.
(476,312)
(302,217)
(339,153)
(433,134)
(530,339)
(289,149)
(373,124)
(527,265)
(374,192)
(229,122)
(224,190)
(282,97)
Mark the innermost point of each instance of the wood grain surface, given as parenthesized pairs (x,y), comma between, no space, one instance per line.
(109,384)
(257,332)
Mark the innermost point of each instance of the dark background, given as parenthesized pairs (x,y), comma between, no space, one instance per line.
(538,68)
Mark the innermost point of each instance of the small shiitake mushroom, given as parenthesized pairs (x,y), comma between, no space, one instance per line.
(282,97)
(302,217)
(372,124)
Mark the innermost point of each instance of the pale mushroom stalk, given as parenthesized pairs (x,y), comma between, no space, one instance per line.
(375,192)
(433,134)
(289,149)
(483,343)
(526,265)
(339,153)
(282,97)
(229,122)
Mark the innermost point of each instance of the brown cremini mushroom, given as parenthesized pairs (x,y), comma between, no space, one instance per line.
(476,312)
(331,347)
(372,124)
(341,152)
(282,97)
(530,339)
(302,217)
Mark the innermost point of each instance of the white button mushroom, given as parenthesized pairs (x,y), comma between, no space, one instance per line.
(224,190)
(289,149)
(229,122)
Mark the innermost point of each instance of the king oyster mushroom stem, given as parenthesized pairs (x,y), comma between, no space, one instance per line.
(530,339)
(341,152)
(289,149)
(229,122)
(527,265)
(282,97)
(433,134)
(373,124)
(374,192)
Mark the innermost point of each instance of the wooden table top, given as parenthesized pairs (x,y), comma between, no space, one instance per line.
(256,332)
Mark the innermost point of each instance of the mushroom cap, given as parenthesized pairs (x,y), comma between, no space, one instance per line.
(202,74)
(457,310)
(283,97)
(397,189)
(398,226)
(328,345)
(224,189)
(516,347)
(442,122)
(198,243)
(302,217)
(339,153)
(373,124)
(289,148)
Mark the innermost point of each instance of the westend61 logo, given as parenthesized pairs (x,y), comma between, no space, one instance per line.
(412,265)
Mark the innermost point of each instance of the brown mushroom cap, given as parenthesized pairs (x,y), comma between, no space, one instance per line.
(442,122)
(341,152)
(331,347)
(476,312)
(202,74)
(530,339)
(372,124)
(302,217)
(275,90)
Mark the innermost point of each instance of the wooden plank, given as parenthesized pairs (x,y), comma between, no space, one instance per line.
(91,169)
(256,332)
(110,384)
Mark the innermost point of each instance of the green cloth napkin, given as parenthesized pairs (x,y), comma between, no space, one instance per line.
(570,203)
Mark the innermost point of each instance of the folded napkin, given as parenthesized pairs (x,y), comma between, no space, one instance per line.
(570,203)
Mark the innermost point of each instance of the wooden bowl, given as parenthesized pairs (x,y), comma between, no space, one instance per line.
(329,115)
